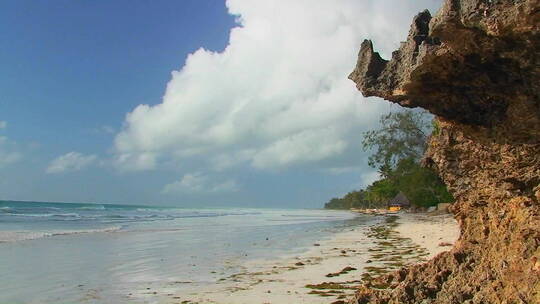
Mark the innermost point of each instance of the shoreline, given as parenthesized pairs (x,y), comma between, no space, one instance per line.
(330,271)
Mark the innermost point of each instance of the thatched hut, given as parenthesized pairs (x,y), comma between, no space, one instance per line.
(399,202)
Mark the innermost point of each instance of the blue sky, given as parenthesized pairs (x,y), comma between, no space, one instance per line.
(69,67)
(260,115)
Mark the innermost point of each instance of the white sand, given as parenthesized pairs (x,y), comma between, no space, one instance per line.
(429,231)
(281,281)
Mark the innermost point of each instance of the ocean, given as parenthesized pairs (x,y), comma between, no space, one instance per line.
(101,253)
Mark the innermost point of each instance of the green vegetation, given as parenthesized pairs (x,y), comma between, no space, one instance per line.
(398,147)
(353,199)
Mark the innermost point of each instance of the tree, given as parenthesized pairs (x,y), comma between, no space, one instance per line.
(421,185)
(402,135)
(353,199)
(335,203)
(381,191)
(398,147)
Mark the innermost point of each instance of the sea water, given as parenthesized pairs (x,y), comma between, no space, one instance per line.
(102,253)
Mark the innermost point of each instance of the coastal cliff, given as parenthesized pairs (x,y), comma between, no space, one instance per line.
(475,66)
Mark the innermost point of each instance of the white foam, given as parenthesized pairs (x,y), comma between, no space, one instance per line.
(22,235)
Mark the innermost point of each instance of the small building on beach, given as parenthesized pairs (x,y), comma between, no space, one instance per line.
(399,202)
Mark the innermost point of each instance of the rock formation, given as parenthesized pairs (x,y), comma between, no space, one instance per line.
(475,66)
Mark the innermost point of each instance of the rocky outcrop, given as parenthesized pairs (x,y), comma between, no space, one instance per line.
(475,66)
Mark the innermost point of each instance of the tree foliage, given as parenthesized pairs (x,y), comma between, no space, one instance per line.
(402,135)
(398,147)
(353,199)
(421,185)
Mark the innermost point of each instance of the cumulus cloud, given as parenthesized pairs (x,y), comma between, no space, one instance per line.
(72,161)
(3,124)
(197,183)
(277,96)
(8,155)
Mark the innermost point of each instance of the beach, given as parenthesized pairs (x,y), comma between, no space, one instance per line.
(329,271)
(77,253)
(100,253)
(430,232)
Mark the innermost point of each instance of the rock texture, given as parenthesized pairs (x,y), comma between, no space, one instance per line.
(475,66)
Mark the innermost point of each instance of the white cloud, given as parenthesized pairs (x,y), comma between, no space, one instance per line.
(134,161)
(8,149)
(72,161)
(197,183)
(343,170)
(7,154)
(368,178)
(277,96)
(310,145)
(8,158)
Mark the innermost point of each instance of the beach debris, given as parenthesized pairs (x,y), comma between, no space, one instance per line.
(343,271)
(329,285)
(330,293)
(390,253)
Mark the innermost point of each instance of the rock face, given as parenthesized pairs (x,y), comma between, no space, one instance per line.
(475,66)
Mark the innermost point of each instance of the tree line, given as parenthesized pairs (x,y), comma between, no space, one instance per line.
(398,146)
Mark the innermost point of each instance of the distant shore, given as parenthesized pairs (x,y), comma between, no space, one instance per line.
(330,270)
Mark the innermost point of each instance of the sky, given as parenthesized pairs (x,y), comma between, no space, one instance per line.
(191,103)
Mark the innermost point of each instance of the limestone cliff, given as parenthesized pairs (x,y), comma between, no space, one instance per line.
(475,66)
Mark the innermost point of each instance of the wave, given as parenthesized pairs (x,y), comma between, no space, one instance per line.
(51,208)
(96,207)
(146,210)
(106,214)
(6,209)
(309,216)
(60,215)
(14,236)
